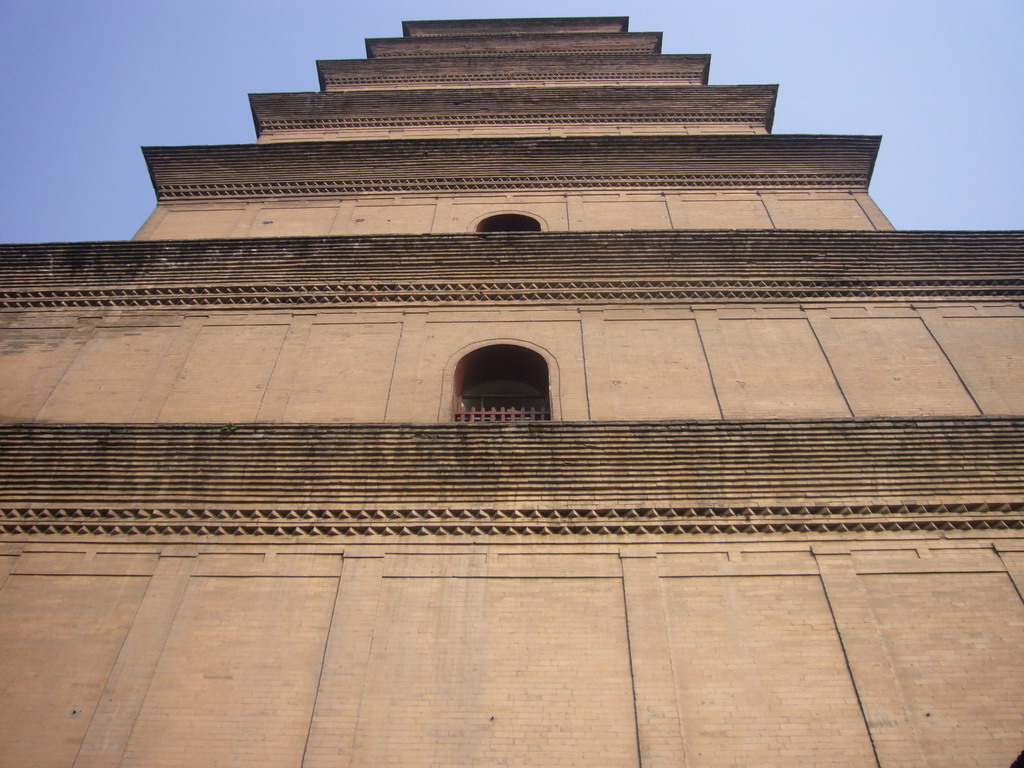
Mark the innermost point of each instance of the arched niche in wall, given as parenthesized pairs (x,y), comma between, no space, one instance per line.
(508,222)
(501,382)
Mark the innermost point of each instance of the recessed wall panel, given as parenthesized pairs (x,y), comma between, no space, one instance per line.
(344,373)
(718,212)
(474,672)
(760,674)
(287,222)
(955,641)
(59,639)
(623,215)
(27,370)
(225,375)
(387,219)
(813,212)
(237,678)
(988,352)
(658,371)
(891,366)
(109,375)
(196,223)
(771,368)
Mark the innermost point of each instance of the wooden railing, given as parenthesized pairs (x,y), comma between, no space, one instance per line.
(502,414)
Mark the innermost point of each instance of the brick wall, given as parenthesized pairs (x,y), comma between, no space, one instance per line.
(703,652)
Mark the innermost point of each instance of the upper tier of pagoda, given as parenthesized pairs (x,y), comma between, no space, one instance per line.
(514,77)
(494,111)
(608,43)
(574,124)
(497,37)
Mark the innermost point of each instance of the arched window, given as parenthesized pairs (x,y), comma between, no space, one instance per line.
(502,382)
(508,222)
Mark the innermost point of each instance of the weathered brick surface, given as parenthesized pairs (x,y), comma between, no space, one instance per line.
(126,687)
(824,266)
(607,364)
(554,466)
(726,652)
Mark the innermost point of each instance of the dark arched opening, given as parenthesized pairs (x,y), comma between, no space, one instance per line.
(509,222)
(502,382)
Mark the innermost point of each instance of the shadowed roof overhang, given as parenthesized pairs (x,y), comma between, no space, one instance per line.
(450,165)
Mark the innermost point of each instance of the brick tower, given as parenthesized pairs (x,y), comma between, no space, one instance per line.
(516,399)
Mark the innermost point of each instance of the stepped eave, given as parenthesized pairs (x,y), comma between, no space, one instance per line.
(655,267)
(436,70)
(836,241)
(802,471)
(332,168)
(535,44)
(705,104)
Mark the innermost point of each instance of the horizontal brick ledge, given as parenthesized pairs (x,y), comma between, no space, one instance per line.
(508,466)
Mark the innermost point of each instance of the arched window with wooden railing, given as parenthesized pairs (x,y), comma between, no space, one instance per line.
(502,382)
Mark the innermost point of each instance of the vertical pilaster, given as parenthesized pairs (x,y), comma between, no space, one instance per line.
(279,388)
(156,394)
(709,331)
(873,212)
(817,320)
(335,720)
(442,222)
(9,554)
(935,324)
(674,209)
(1012,555)
(246,220)
(57,367)
(660,739)
(770,207)
(342,223)
(152,224)
(403,404)
(575,214)
(596,365)
(893,737)
(126,687)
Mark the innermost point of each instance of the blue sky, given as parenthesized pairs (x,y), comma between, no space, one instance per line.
(86,83)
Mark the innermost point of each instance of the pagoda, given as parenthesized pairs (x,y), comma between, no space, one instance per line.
(518,398)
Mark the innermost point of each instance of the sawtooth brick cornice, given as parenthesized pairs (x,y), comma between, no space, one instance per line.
(540,478)
(551,267)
